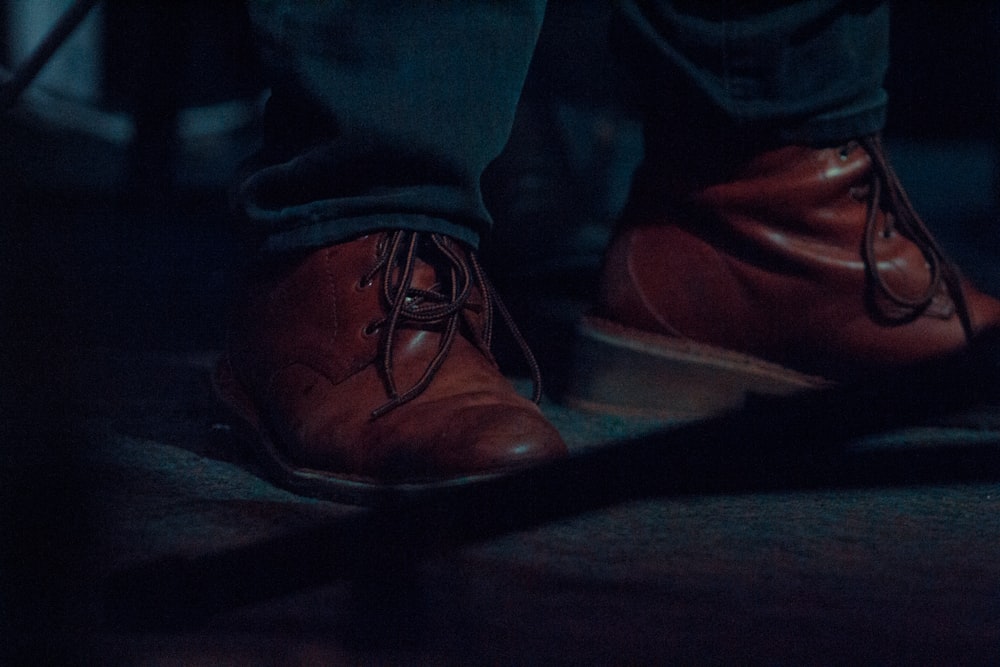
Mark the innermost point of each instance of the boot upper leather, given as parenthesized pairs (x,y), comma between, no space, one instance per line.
(797,259)
(309,347)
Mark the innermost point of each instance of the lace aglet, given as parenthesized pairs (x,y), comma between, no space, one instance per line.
(385,408)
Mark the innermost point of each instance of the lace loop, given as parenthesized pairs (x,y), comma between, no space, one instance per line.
(439,304)
(887,196)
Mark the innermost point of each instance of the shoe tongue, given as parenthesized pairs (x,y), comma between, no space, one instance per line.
(423,273)
(435,265)
(424,276)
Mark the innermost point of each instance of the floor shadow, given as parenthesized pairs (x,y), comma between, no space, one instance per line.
(800,443)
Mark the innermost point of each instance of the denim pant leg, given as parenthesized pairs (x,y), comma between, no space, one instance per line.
(383,115)
(730,76)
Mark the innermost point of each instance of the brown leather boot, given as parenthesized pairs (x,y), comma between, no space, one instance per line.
(366,365)
(806,267)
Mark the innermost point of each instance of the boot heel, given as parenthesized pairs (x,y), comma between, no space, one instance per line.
(623,371)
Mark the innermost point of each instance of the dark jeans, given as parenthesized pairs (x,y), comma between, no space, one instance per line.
(384,114)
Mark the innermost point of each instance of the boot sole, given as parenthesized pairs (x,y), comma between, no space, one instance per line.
(628,372)
(250,431)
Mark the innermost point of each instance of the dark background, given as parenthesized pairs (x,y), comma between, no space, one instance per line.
(127,248)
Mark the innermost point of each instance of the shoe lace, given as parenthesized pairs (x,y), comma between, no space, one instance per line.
(888,196)
(441,304)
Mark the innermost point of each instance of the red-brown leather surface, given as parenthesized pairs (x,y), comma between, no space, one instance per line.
(305,351)
(770,263)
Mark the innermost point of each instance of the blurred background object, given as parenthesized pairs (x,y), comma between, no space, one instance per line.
(148,95)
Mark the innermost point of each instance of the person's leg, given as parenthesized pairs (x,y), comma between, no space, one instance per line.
(359,354)
(383,115)
(746,75)
(767,246)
